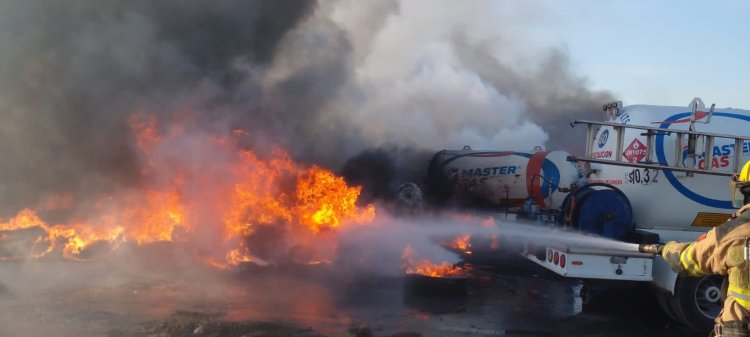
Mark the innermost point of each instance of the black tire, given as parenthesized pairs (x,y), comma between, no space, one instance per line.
(664,299)
(697,301)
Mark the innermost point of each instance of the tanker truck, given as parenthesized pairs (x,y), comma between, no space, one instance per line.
(649,174)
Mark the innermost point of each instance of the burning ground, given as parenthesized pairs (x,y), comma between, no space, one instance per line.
(225,240)
(225,209)
(156,248)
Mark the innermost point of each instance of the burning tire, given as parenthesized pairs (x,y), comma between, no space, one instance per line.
(416,285)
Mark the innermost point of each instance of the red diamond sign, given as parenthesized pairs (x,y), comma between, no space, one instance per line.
(635,152)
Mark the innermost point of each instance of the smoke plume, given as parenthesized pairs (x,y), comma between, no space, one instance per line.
(324,80)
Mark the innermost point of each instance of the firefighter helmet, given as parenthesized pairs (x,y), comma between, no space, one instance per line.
(740,186)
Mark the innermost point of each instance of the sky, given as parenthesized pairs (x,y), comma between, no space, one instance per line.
(656,52)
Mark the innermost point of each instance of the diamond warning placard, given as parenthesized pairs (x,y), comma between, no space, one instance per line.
(635,152)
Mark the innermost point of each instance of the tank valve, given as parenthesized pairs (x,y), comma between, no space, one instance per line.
(650,248)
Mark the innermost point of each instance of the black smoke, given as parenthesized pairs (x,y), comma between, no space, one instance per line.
(382,170)
(72,73)
(325,80)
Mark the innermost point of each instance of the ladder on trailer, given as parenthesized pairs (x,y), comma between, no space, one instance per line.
(692,137)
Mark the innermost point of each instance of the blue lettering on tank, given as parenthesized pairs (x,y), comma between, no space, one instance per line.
(488,171)
(726,149)
(677,184)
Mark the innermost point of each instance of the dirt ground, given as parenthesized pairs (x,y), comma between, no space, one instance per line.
(512,298)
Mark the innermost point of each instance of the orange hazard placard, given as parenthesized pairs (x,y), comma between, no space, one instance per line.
(706,219)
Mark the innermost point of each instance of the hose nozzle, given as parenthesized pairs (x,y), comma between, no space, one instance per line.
(651,248)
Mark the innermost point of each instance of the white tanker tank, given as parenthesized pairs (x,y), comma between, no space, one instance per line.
(613,200)
(669,199)
(502,178)
(508,179)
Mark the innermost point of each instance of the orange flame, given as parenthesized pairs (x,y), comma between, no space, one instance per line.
(463,243)
(426,267)
(27,219)
(189,197)
(325,200)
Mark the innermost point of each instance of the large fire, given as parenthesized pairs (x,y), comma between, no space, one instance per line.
(426,267)
(200,189)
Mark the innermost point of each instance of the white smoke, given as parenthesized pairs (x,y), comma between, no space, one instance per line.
(417,91)
(431,75)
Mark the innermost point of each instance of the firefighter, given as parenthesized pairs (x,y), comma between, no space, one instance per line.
(722,251)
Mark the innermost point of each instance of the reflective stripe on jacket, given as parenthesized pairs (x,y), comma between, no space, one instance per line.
(720,252)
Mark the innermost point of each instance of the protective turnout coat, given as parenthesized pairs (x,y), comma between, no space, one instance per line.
(720,251)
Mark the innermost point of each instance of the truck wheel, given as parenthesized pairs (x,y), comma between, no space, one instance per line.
(665,302)
(697,300)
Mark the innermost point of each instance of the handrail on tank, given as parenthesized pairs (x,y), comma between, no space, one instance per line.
(656,131)
(665,131)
